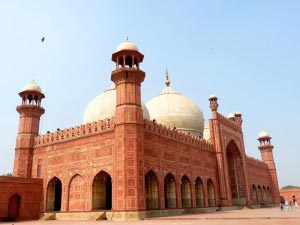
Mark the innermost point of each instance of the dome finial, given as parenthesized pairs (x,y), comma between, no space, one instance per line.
(127,38)
(167,78)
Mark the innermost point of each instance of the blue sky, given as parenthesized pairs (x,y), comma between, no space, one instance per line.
(246,52)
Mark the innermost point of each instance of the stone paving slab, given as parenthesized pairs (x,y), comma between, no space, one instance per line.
(269,216)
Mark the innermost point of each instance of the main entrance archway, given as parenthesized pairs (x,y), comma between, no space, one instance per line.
(102,191)
(235,172)
(54,195)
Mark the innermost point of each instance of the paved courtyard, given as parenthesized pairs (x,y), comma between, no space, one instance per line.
(266,216)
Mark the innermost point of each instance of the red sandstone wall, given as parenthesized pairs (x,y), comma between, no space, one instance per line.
(83,156)
(164,154)
(288,194)
(30,191)
(258,174)
(78,154)
(84,151)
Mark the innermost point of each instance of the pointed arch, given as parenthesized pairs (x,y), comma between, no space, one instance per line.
(14,205)
(259,194)
(254,195)
(185,192)
(170,191)
(54,191)
(199,192)
(264,195)
(128,61)
(151,186)
(77,193)
(235,172)
(211,193)
(269,198)
(102,191)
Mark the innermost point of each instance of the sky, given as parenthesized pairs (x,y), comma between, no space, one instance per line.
(245,52)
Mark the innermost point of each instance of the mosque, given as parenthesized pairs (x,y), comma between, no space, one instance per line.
(130,160)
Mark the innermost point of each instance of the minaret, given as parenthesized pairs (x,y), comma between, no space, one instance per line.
(217,142)
(129,191)
(266,150)
(30,112)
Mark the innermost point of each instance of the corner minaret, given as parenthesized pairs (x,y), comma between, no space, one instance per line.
(30,112)
(266,150)
(129,194)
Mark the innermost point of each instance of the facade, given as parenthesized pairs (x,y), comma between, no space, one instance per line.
(134,159)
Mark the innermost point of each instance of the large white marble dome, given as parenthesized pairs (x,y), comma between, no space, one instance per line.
(172,109)
(104,107)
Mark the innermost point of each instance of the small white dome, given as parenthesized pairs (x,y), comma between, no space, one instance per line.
(212,96)
(172,109)
(264,134)
(127,45)
(238,113)
(32,86)
(230,116)
(104,106)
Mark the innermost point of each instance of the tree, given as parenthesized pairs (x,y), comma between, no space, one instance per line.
(290,187)
(7,175)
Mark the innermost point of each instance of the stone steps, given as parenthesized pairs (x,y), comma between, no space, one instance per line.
(101,215)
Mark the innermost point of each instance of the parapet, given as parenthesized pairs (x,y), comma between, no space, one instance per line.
(256,162)
(68,134)
(23,180)
(229,122)
(161,130)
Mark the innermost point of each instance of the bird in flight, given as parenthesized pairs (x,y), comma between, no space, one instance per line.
(43,39)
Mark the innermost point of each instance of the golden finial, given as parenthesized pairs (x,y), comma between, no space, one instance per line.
(167,78)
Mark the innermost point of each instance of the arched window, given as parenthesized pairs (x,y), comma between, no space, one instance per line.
(151,185)
(54,191)
(259,198)
(170,191)
(269,197)
(264,196)
(102,191)
(185,192)
(199,191)
(254,195)
(211,193)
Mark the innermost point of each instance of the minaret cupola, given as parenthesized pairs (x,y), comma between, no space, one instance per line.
(127,56)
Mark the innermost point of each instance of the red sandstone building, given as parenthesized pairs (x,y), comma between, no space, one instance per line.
(132,160)
(290,194)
